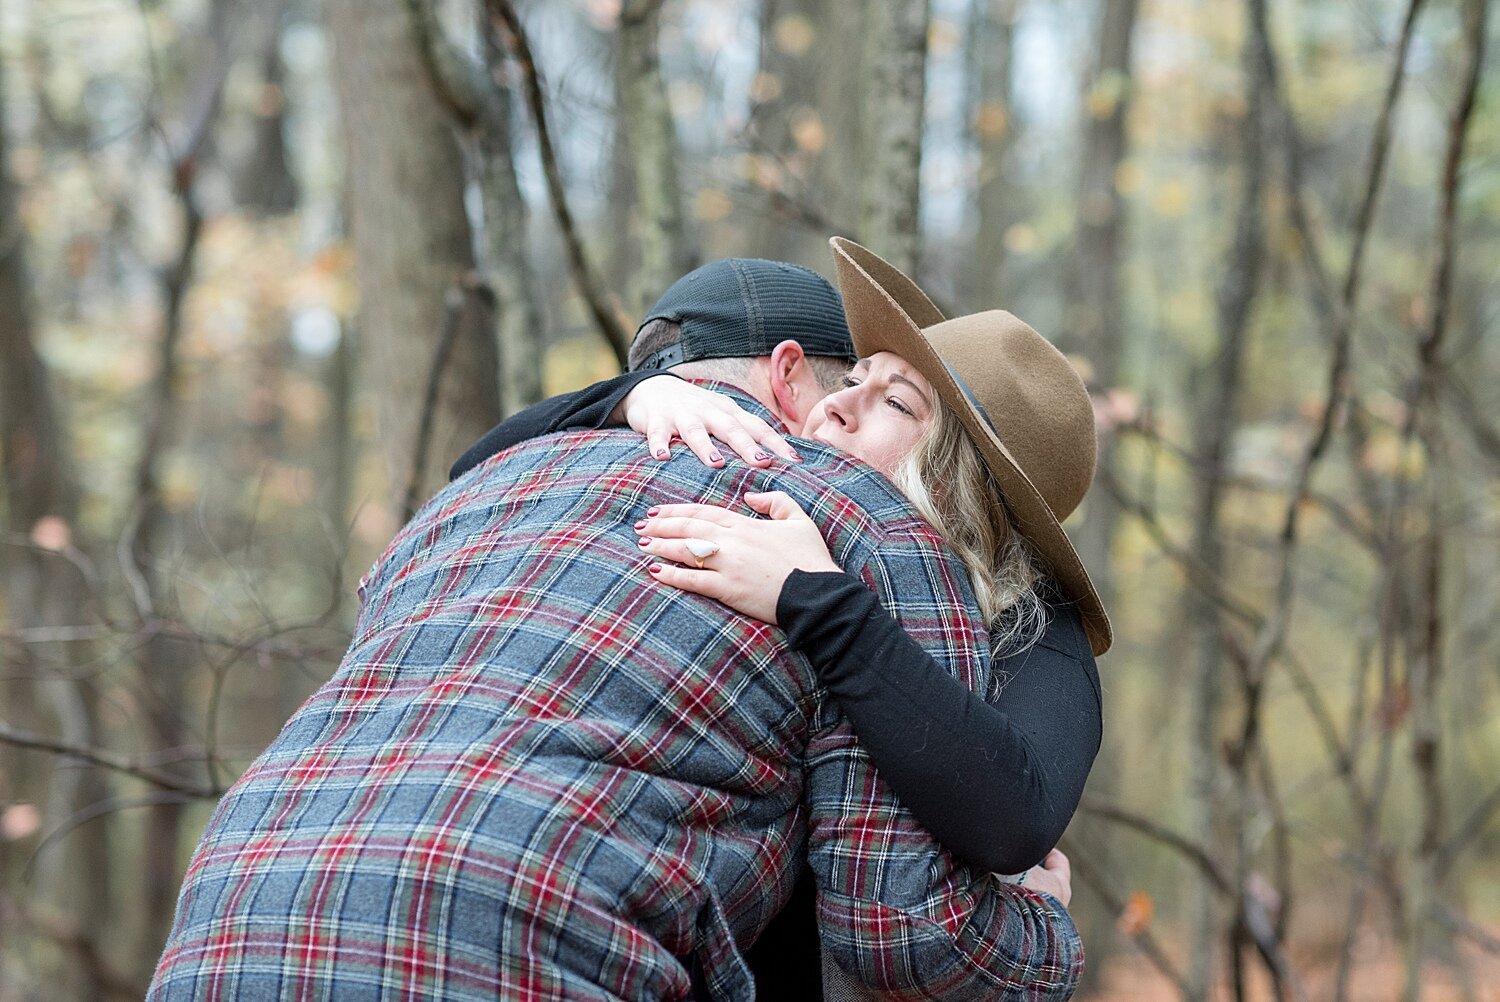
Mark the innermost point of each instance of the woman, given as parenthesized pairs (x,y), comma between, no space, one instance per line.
(989,432)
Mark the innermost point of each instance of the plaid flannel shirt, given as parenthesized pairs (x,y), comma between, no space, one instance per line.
(540,774)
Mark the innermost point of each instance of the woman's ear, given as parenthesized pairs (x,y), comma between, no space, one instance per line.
(789,375)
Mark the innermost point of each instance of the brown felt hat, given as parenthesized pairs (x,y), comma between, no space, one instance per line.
(1020,400)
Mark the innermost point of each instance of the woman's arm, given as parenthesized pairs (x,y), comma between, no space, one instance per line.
(661,410)
(996,784)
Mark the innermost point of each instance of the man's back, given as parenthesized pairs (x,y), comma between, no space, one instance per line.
(538,773)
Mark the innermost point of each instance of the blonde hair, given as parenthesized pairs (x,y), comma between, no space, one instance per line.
(947,481)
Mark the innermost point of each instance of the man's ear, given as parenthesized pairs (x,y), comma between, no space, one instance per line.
(788,375)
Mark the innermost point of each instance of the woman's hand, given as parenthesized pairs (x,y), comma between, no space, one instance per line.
(751,558)
(1053,875)
(663,408)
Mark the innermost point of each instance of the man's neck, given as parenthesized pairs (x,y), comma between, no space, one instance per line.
(746,397)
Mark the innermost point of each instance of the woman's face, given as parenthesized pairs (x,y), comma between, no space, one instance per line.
(880,414)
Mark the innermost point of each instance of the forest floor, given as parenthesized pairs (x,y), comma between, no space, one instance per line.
(1378,975)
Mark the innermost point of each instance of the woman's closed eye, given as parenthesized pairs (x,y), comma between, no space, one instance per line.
(898,405)
(893,402)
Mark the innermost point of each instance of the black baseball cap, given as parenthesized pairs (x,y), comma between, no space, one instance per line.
(743,307)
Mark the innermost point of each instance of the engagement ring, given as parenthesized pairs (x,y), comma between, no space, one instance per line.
(701,549)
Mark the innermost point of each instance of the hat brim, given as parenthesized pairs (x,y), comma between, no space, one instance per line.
(879,323)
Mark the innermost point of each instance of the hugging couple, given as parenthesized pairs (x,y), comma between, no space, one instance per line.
(796,711)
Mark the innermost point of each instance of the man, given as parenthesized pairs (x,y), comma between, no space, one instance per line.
(537,774)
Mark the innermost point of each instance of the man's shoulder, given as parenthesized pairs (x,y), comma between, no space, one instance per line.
(843,495)
(826,474)
(838,486)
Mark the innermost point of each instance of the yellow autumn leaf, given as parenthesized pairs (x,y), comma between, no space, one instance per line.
(19,821)
(943,37)
(1106,93)
(1136,916)
(52,532)
(1021,238)
(793,34)
(180,484)
(1385,454)
(765,87)
(808,131)
(686,97)
(991,120)
(1172,200)
(710,205)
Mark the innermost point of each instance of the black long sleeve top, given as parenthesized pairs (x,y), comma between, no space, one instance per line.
(995,782)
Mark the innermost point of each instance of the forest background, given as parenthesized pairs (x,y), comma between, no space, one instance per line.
(266,268)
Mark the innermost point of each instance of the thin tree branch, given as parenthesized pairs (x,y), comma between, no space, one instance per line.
(1195,853)
(105,808)
(453,307)
(1097,883)
(1343,759)
(1269,640)
(107,760)
(1454,920)
(460,82)
(1197,573)
(1475,16)
(1467,830)
(503,12)
(1424,662)
(1485,435)
(175,282)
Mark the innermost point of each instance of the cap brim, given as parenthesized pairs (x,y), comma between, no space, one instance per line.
(879,323)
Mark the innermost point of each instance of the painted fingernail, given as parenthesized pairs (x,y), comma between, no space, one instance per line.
(796,456)
(643,541)
(640,525)
(761,457)
(714,457)
(652,511)
(655,568)
(663,454)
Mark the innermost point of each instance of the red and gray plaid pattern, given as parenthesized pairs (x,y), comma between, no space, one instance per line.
(539,774)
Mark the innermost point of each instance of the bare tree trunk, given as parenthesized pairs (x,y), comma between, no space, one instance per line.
(481,104)
(784,82)
(1427,656)
(992,39)
(42,589)
(340,378)
(652,139)
(896,52)
(802,134)
(620,255)
(602,306)
(1096,318)
(164,661)
(1096,314)
(1217,392)
(264,183)
(412,240)
(508,261)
